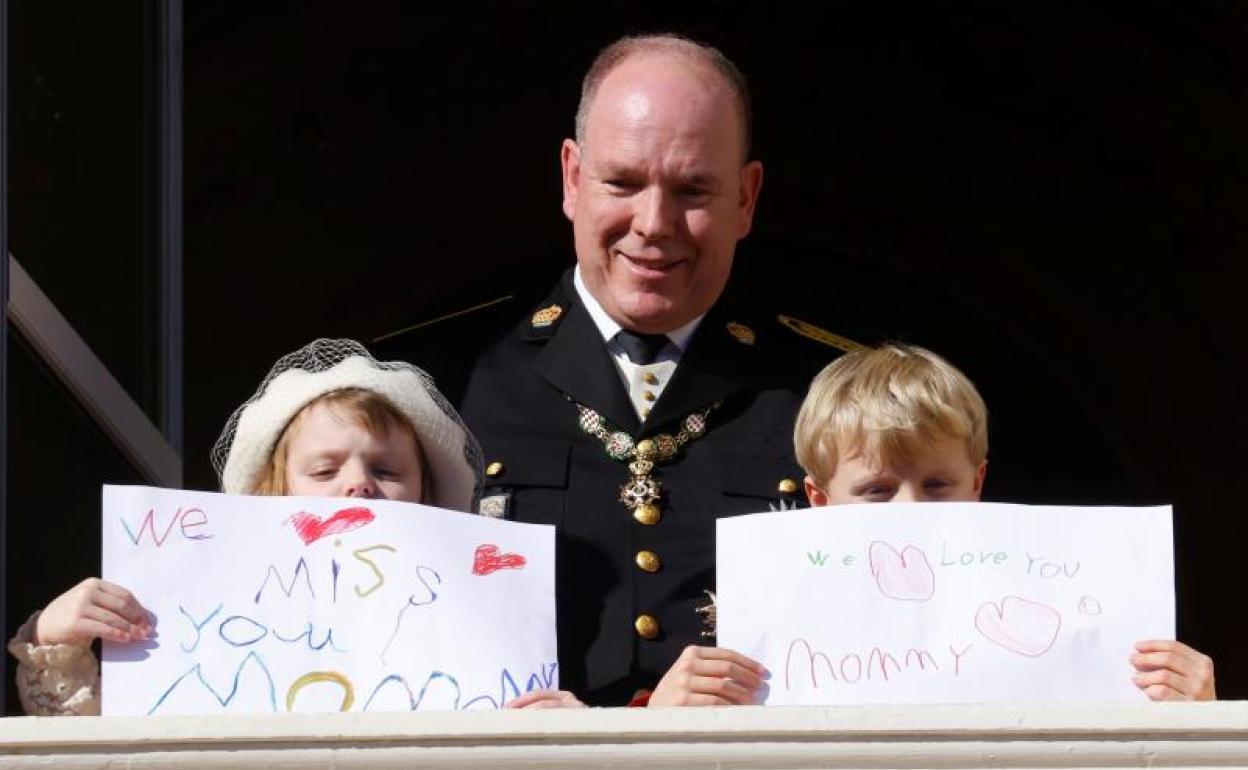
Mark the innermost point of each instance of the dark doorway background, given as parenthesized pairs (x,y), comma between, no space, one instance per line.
(1053,194)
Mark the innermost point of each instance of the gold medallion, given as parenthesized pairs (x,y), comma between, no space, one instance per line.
(741,333)
(642,492)
(546,316)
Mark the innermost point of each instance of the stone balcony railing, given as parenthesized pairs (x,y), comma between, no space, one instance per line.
(1011,736)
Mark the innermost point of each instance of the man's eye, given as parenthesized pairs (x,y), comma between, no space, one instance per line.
(693,192)
(621,184)
(385,472)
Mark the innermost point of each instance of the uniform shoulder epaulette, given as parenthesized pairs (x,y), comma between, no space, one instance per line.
(818,334)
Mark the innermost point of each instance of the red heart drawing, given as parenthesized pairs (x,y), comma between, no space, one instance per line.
(1020,626)
(906,576)
(310,528)
(487,559)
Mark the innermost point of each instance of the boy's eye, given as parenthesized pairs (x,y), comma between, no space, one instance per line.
(938,488)
(878,493)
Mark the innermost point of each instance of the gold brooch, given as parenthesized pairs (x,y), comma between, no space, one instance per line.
(546,316)
(741,333)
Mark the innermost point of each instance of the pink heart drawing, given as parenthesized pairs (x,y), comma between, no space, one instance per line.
(906,576)
(1020,626)
(311,528)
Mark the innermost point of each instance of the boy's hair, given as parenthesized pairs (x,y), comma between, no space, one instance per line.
(366,408)
(886,403)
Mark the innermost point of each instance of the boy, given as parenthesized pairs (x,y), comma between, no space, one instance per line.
(899,424)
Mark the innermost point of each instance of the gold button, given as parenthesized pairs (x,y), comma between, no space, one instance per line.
(650,379)
(648,395)
(645,412)
(647,513)
(787,486)
(648,561)
(647,626)
(494,469)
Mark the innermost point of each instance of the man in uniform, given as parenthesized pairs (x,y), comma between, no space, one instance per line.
(634,406)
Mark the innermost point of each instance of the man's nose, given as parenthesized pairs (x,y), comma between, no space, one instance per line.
(655,215)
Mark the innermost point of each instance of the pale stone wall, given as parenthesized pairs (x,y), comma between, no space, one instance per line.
(881,737)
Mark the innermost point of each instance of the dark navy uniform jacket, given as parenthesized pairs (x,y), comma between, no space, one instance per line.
(518,399)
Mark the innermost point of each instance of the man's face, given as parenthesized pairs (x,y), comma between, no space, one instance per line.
(657,192)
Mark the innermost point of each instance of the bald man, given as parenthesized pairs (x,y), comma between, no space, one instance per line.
(633,405)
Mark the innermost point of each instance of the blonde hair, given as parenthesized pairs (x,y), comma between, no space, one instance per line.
(887,403)
(365,408)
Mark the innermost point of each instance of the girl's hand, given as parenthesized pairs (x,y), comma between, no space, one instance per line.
(93,608)
(545,699)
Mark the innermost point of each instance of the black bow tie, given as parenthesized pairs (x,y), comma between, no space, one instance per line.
(642,349)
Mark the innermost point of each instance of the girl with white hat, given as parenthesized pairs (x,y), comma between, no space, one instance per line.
(329,420)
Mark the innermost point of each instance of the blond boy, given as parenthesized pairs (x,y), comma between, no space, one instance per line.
(900,423)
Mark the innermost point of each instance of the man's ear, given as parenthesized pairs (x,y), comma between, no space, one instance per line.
(814,494)
(980,473)
(570,160)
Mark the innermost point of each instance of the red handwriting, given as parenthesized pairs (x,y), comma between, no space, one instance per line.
(487,559)
(187,518)
(311,528)
(850,668)
(957,657)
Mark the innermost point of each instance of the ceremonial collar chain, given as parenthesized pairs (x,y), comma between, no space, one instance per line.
(641,493)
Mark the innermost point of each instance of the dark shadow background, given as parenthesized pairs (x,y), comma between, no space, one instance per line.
(1053,194)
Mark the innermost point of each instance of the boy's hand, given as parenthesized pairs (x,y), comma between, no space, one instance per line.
(1170,670)
(93,608)
(545,699)
(709,676)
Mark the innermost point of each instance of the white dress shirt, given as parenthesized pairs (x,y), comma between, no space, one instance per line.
(645,384)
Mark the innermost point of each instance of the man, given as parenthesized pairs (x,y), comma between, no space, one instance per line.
(633,406)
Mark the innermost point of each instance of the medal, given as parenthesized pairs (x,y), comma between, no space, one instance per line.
(642,492)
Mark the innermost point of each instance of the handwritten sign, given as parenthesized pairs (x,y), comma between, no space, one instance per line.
(322,604)
(947,602)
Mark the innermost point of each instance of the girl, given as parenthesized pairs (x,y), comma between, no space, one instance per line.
(328,420)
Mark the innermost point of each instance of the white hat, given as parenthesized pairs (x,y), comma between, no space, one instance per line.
(325,365)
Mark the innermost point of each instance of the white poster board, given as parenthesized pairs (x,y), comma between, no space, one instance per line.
(945,602)
(322,604)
